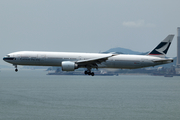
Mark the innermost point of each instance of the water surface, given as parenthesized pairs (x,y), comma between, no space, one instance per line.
(31,94)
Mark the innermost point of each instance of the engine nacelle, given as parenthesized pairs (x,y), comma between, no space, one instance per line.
(68,66)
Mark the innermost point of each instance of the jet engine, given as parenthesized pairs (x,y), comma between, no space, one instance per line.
(68,66)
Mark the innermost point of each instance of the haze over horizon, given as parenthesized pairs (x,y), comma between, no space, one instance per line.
(86,26)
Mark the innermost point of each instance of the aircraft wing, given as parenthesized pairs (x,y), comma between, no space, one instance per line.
(94,61)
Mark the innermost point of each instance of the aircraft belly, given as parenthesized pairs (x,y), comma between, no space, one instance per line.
(121,64)
(50,62)
(126,64)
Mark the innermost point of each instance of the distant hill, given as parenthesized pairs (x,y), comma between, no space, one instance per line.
(123,51)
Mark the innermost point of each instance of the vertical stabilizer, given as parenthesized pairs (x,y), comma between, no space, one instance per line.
(162,48)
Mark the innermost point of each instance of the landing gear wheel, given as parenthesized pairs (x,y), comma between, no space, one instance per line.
(92,73)
(85,72)
(16,69)
(89,73)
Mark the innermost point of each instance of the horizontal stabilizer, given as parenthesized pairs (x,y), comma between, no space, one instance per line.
(163,61)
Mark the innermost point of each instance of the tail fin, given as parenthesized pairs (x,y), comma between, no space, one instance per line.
(162,48)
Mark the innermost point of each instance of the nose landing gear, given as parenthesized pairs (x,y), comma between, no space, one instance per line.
(15,68)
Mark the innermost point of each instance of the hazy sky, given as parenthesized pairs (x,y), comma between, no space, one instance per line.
(86,25)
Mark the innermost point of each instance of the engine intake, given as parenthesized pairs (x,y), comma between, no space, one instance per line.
(68,66)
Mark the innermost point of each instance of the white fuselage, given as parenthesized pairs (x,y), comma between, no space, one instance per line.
(121,61)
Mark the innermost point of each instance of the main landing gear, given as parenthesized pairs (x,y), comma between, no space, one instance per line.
(15,68)
(89,73)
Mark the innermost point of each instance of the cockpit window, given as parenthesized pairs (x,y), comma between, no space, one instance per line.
(7,56)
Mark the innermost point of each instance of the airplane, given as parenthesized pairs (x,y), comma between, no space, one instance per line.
(69,61)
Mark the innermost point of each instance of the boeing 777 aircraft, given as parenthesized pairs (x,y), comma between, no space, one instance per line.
(70,61)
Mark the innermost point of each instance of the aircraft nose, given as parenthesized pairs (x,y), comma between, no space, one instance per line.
(8,58)
(5,58)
